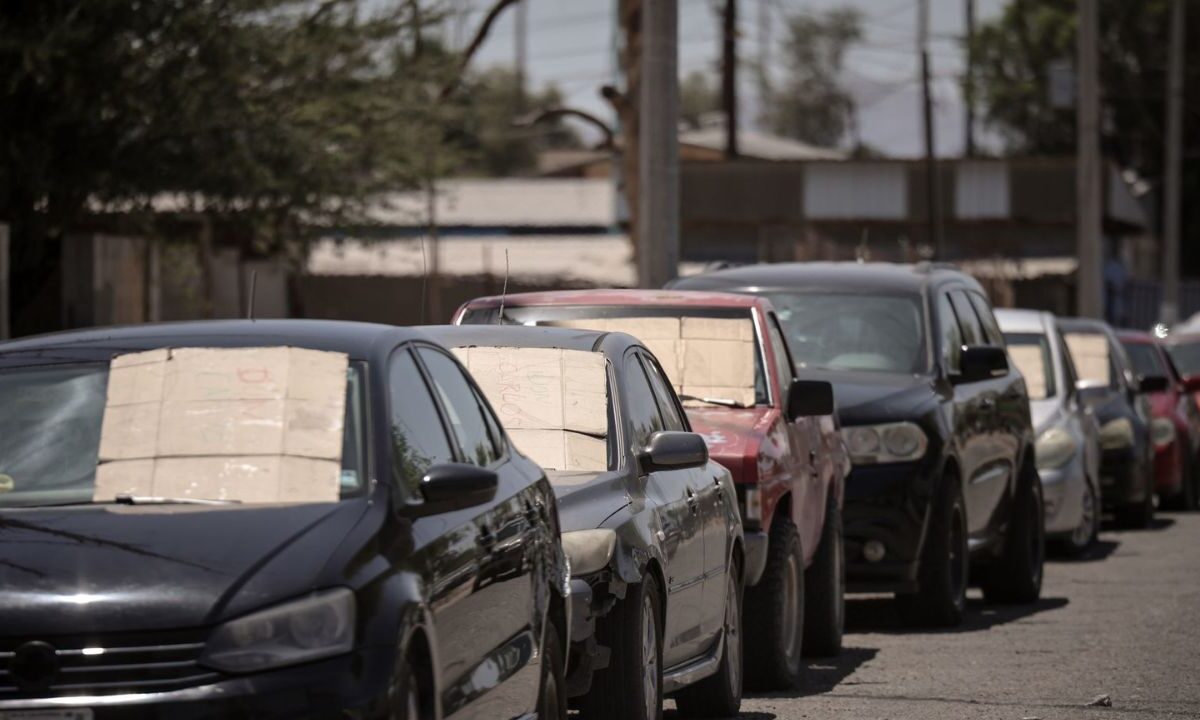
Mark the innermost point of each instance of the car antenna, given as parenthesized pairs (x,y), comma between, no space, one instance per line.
(503,291)
(253,292)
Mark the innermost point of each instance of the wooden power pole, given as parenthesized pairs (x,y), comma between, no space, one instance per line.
(1169,313)
(933,202)
(1089,221)
(658,146)
(969,99)
(729,71)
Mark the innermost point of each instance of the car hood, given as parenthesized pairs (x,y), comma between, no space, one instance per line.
(735,436)
(866,398)
(587,499)
(112,568)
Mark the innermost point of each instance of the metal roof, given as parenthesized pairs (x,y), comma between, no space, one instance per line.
(505,202)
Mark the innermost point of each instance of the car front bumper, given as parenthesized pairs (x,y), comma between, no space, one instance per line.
(1122,478)
(353,685)
(885,505)
(1063,490)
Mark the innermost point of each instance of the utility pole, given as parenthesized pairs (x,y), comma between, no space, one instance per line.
(521,50)
(1089,222)
(658,147)
(729,77)
(1169,313)
(933,209)
(969,142)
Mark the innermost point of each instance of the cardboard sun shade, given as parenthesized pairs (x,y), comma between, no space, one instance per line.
(554,403)
(1089,351)
(255,425)
(703,357)
(1032,364)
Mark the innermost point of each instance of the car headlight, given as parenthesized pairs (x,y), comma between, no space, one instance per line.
(316,627)
(893,442)
(1116,434)
(588,551)
(1054,448)
(1162,432)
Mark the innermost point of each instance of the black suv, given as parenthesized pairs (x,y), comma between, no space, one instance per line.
(944,489)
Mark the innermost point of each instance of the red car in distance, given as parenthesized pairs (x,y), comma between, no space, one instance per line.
(1174,424)
(775,432)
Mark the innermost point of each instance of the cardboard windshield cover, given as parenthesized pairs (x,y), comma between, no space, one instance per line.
(1089,351)
(703,357)
(1032,364)
(256,425)
(553,403)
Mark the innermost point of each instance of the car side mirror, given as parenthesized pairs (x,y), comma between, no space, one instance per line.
(672,450)
(1150,384)
(809,398)
(982,362)
(457,486)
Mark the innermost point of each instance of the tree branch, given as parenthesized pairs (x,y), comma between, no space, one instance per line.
(480,35)
(554,113)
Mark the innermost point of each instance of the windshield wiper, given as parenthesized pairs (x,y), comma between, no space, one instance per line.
(147,500)
(723,402)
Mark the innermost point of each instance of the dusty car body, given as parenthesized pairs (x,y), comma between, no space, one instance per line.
(944,490)
(789,462)
(435,585)
(1183,349)
(1174,423)
(1068,441)
(1118,399)
(650,524)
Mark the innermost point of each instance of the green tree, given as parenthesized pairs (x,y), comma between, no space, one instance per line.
(697,99)
(810,104)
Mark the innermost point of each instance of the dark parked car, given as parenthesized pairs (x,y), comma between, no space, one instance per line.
(650,523)
(775,433)
(1110,386)
(405,563)
(944,487)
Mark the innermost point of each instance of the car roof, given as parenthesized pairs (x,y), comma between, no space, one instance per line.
(357,340)
(1013,320)
(652,298)
(888,277)
(455,336)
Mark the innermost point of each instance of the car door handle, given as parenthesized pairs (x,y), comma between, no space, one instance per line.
(693,504)
(720,491)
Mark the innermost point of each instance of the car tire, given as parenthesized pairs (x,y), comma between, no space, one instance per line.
(1185,499)
(942,577)
(825,589)
(1084,536)
(552,691)
(407,699)
(1138,515)
(1016,577)
(720,695)
(774,618)
(631,685)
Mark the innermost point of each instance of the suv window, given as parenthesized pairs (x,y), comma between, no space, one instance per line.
(667,404)
(951,335)
(640,407)
(972,333)
(464,412)
(418,437)
(991,328)
(783,358)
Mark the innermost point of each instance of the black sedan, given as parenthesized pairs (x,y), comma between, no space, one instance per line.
(650,524)
(273,519)
(944,489)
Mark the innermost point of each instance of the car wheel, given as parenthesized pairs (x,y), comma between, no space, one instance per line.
(775,613)
(552,692)
(631,685)
(406,698)
(1082,537)
(825,589)
(720,695)
(1185,499)
(941,593)
(1017,576)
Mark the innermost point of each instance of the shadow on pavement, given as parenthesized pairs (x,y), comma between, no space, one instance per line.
(821,676)
(669,713)
(1100,550)
(878,615)
(1158,523)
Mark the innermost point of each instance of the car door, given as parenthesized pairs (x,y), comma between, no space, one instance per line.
(673,499)
(714,527)
(496,618)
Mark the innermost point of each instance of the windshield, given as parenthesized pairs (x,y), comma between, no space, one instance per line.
(1145,359)
(1031,354)
(699,376)
(50,422)
(1186,357)
(846,331)
(1090,353)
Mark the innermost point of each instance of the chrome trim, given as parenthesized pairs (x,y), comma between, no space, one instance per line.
(145,648)
(696,670)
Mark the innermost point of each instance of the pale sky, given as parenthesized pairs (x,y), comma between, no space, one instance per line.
(570,43)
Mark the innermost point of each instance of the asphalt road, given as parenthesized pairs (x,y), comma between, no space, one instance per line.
(1123,622)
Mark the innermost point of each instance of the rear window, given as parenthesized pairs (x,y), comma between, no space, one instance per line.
(1031,354)
(1146,360)
(1186,356)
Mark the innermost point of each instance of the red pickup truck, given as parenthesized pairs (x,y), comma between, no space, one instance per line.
(777,433)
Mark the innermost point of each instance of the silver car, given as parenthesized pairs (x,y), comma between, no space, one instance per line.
(1068,445)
